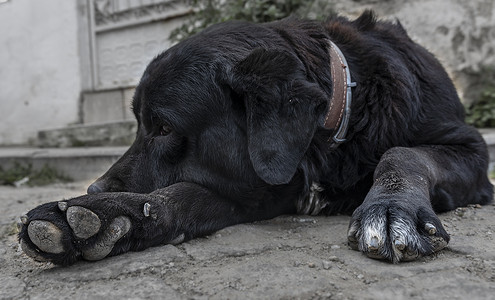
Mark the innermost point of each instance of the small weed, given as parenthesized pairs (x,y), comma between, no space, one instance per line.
(15,173)
(491,174)
(208,12)
(482,112)
(12,229)
(44,176)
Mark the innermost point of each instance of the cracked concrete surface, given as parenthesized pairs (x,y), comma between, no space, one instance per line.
(296,257)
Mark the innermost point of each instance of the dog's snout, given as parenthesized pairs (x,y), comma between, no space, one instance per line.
(105,184)
(95,188)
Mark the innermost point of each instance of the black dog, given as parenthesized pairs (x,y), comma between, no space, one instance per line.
(246,122)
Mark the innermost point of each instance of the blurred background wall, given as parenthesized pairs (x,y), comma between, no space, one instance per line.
(68,68)
(40,77)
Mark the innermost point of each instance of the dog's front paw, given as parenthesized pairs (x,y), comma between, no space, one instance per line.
(63,234)
(387,230)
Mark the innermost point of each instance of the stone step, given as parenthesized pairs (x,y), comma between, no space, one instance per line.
(85,163)
(76,163)
(121,133)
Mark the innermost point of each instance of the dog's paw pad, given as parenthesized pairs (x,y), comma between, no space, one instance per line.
(104,245)
(46,236)
(31,252)
(83,222)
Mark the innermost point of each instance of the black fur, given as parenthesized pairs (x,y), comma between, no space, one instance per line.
(245,104)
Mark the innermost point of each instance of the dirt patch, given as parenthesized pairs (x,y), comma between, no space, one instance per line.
(297,257)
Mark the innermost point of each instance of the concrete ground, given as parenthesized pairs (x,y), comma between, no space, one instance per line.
(290,257)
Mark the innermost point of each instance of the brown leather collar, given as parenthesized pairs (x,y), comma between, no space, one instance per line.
(339,112)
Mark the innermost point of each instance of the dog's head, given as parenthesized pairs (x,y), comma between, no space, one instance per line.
(228,109)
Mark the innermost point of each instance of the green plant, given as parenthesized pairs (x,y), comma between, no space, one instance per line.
(482,112)
(208,12)
(45,175)
(15,173)
(491,174)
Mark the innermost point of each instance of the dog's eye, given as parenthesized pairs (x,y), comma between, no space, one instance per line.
(165,130)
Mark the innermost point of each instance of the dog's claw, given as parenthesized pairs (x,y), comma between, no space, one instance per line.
(410,255)
(84,223)
(146,209)
(373,248)
(115,231)
(438,243)
(399,245)
(352,240)
(430,228)
(353,244)
(24,219)
(62,205)
(148,212)
(374,244)
(46,236)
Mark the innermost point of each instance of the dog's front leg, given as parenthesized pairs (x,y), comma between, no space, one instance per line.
(93,227)
(397,219)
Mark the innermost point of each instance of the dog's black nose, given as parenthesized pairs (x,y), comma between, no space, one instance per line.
(95,188)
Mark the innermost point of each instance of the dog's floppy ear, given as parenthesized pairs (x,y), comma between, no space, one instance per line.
(283,110)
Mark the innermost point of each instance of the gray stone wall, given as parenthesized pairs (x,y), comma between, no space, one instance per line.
(39,67)
(461,33)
